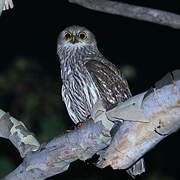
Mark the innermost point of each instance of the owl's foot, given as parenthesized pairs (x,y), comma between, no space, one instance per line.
(78,125)
(89,117)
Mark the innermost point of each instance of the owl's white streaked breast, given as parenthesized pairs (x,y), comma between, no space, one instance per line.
(79,91)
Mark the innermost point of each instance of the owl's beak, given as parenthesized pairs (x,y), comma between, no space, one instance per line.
(74,40)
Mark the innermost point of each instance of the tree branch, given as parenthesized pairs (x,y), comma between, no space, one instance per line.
(56,156)
(132,11)
(156,115)
(18,134)
(148,118)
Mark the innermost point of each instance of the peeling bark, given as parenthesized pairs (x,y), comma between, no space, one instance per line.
(17,133)
(159,113)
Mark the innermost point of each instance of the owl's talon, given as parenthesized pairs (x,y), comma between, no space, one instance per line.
(89,117)
(78,125)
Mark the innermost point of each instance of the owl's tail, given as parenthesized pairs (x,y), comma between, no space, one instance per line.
(137,168)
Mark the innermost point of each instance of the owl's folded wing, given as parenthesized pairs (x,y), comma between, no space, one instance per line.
(109,81)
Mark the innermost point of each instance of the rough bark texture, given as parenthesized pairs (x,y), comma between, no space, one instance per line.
(132,11)
(56,156)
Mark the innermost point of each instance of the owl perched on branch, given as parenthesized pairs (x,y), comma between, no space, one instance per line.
(87,76)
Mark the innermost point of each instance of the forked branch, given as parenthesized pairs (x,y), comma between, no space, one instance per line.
(147,119)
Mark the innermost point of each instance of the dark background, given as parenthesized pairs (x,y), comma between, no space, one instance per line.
(30,85)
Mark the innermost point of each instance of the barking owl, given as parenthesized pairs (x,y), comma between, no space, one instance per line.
(87,76)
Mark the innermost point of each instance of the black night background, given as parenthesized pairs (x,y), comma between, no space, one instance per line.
(30,82)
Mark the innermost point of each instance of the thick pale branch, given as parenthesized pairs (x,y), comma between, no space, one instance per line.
(56,156)
(132,11)
(157,115)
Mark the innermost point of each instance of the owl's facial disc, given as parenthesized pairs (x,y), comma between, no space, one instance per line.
(75,38)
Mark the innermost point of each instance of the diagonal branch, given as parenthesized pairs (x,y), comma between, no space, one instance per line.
(132,11)
(149,118)
(56,156)
(156,115)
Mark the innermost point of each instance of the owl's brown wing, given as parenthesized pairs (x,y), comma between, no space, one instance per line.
(110,83)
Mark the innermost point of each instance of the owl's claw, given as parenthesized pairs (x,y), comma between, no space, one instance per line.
(78,125)
(89,117)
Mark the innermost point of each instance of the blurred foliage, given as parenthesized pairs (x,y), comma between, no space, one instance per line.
(157,176)
(129,71)
(30,94)
(6,165)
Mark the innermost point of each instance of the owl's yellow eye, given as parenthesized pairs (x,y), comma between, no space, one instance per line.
(67,35)
(82,35)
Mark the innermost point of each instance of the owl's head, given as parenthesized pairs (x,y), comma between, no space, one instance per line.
(76,37)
